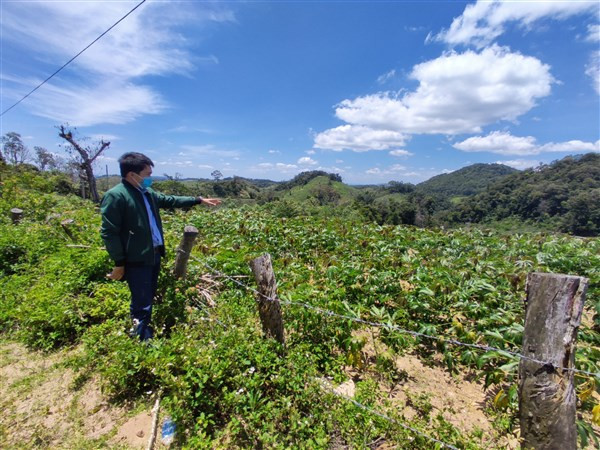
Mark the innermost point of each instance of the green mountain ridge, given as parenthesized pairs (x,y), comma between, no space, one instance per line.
(469,180)
(565,192)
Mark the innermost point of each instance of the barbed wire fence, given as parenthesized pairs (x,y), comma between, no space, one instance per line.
(546,365)
(392,327)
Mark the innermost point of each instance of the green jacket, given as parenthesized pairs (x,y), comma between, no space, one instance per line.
(125,225)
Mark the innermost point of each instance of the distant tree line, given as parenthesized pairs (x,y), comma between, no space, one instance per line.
(79,164)
(304,178)
(565,193)
(467,181)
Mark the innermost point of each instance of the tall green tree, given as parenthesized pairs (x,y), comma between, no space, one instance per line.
(14,150)
(45,159)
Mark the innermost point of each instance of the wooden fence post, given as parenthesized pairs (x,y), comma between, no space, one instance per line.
(16,215)
(269,310)
(547,396)
(66,226)
(184,250)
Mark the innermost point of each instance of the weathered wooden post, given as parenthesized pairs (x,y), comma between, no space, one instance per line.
(547,396)
(66,226)
(184,250)
(51,217)
(269,308)
(16,215)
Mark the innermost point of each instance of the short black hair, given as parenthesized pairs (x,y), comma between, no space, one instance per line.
(133,162)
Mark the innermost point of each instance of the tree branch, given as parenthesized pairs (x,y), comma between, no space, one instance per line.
(67,135)
(103,146)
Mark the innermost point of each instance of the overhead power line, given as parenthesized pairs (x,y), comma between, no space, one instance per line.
(74,57)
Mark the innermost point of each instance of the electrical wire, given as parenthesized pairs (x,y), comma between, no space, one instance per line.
(73,58)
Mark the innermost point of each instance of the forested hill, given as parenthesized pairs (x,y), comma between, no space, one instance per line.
(469,180)
(565,193)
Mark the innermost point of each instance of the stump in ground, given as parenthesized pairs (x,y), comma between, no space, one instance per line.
(16,215)
(546,392)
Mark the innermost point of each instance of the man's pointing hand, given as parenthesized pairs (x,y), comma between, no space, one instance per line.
(211,201)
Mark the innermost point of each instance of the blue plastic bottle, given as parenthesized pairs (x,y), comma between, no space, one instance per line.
(168,431)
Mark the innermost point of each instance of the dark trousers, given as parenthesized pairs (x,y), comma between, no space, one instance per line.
(143,281)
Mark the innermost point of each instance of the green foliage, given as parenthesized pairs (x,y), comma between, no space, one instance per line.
(227,386)
(467,181)
(320,190)
(565,193)
(175,187)
(305,177)
(399,187)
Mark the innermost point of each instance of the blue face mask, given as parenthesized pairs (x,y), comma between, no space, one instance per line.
(146,183)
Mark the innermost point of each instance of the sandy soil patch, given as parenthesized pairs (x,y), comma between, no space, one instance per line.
(461,401)
(42,406)
(135,432)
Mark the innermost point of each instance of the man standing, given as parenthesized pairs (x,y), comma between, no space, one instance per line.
(133,235)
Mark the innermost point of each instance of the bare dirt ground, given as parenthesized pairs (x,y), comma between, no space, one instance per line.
(43,407)
(461,401)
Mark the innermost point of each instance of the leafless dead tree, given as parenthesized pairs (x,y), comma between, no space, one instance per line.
(87,156)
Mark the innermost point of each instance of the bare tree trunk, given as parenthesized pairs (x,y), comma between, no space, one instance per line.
(82,184)
(88,156)
(91,181)
(269,307)
(547,397)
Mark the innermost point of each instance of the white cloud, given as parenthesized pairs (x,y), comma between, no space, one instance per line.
(146,43)
(382,79)
(457,93)
(504,143)
(398,171)
(358,138)
(482,22)
(174,163)
(397,168)
(593,33)
(283,166)
(280,166)
(307,161)
(106,137)
(520,163)
(310,152)
(104,158)
(401,153)
(205,166)
(592,69)
(393,169)
(274,152)
(187,129)
(210,150)
(331,169)
(575,146)
(111,102)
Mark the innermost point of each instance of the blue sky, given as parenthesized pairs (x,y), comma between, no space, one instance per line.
(374,91)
